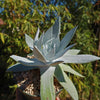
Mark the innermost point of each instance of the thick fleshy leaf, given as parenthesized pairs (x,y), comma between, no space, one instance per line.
(37,34)
(29,41)
(27,62)
(69,69)
(62,52)
(78,58)
(19,68)
(39,43)
(66,40)
(50,48)
(52,32)
(53,63)
(18,58)
(48,35)
(47,90)
(38,54)
(72,52)
(66,82)
(56,28)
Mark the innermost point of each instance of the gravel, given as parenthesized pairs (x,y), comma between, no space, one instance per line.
(29,82)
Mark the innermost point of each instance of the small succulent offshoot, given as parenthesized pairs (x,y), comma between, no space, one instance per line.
(49,55)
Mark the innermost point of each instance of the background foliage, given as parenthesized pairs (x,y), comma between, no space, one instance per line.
(25,16)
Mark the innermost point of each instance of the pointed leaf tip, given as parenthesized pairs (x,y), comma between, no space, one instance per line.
(53,31)
(38,54)
(66,40)
(66,83)
(19,68)
(62,52)
(37,34)
(29,41)
(78,59)
(67,68)
(28,62)
(56,27)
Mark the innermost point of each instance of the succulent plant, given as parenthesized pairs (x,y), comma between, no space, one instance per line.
(50,55)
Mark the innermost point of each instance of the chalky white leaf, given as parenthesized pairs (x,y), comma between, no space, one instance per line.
(47,88)
(29,41)
(19,68)
(78,59)
(38,54)
(66,40)
(66,82)
(67,68)
(27,62)
(72,52)
(37,34)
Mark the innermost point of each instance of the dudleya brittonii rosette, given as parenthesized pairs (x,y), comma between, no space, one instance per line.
(50,55)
